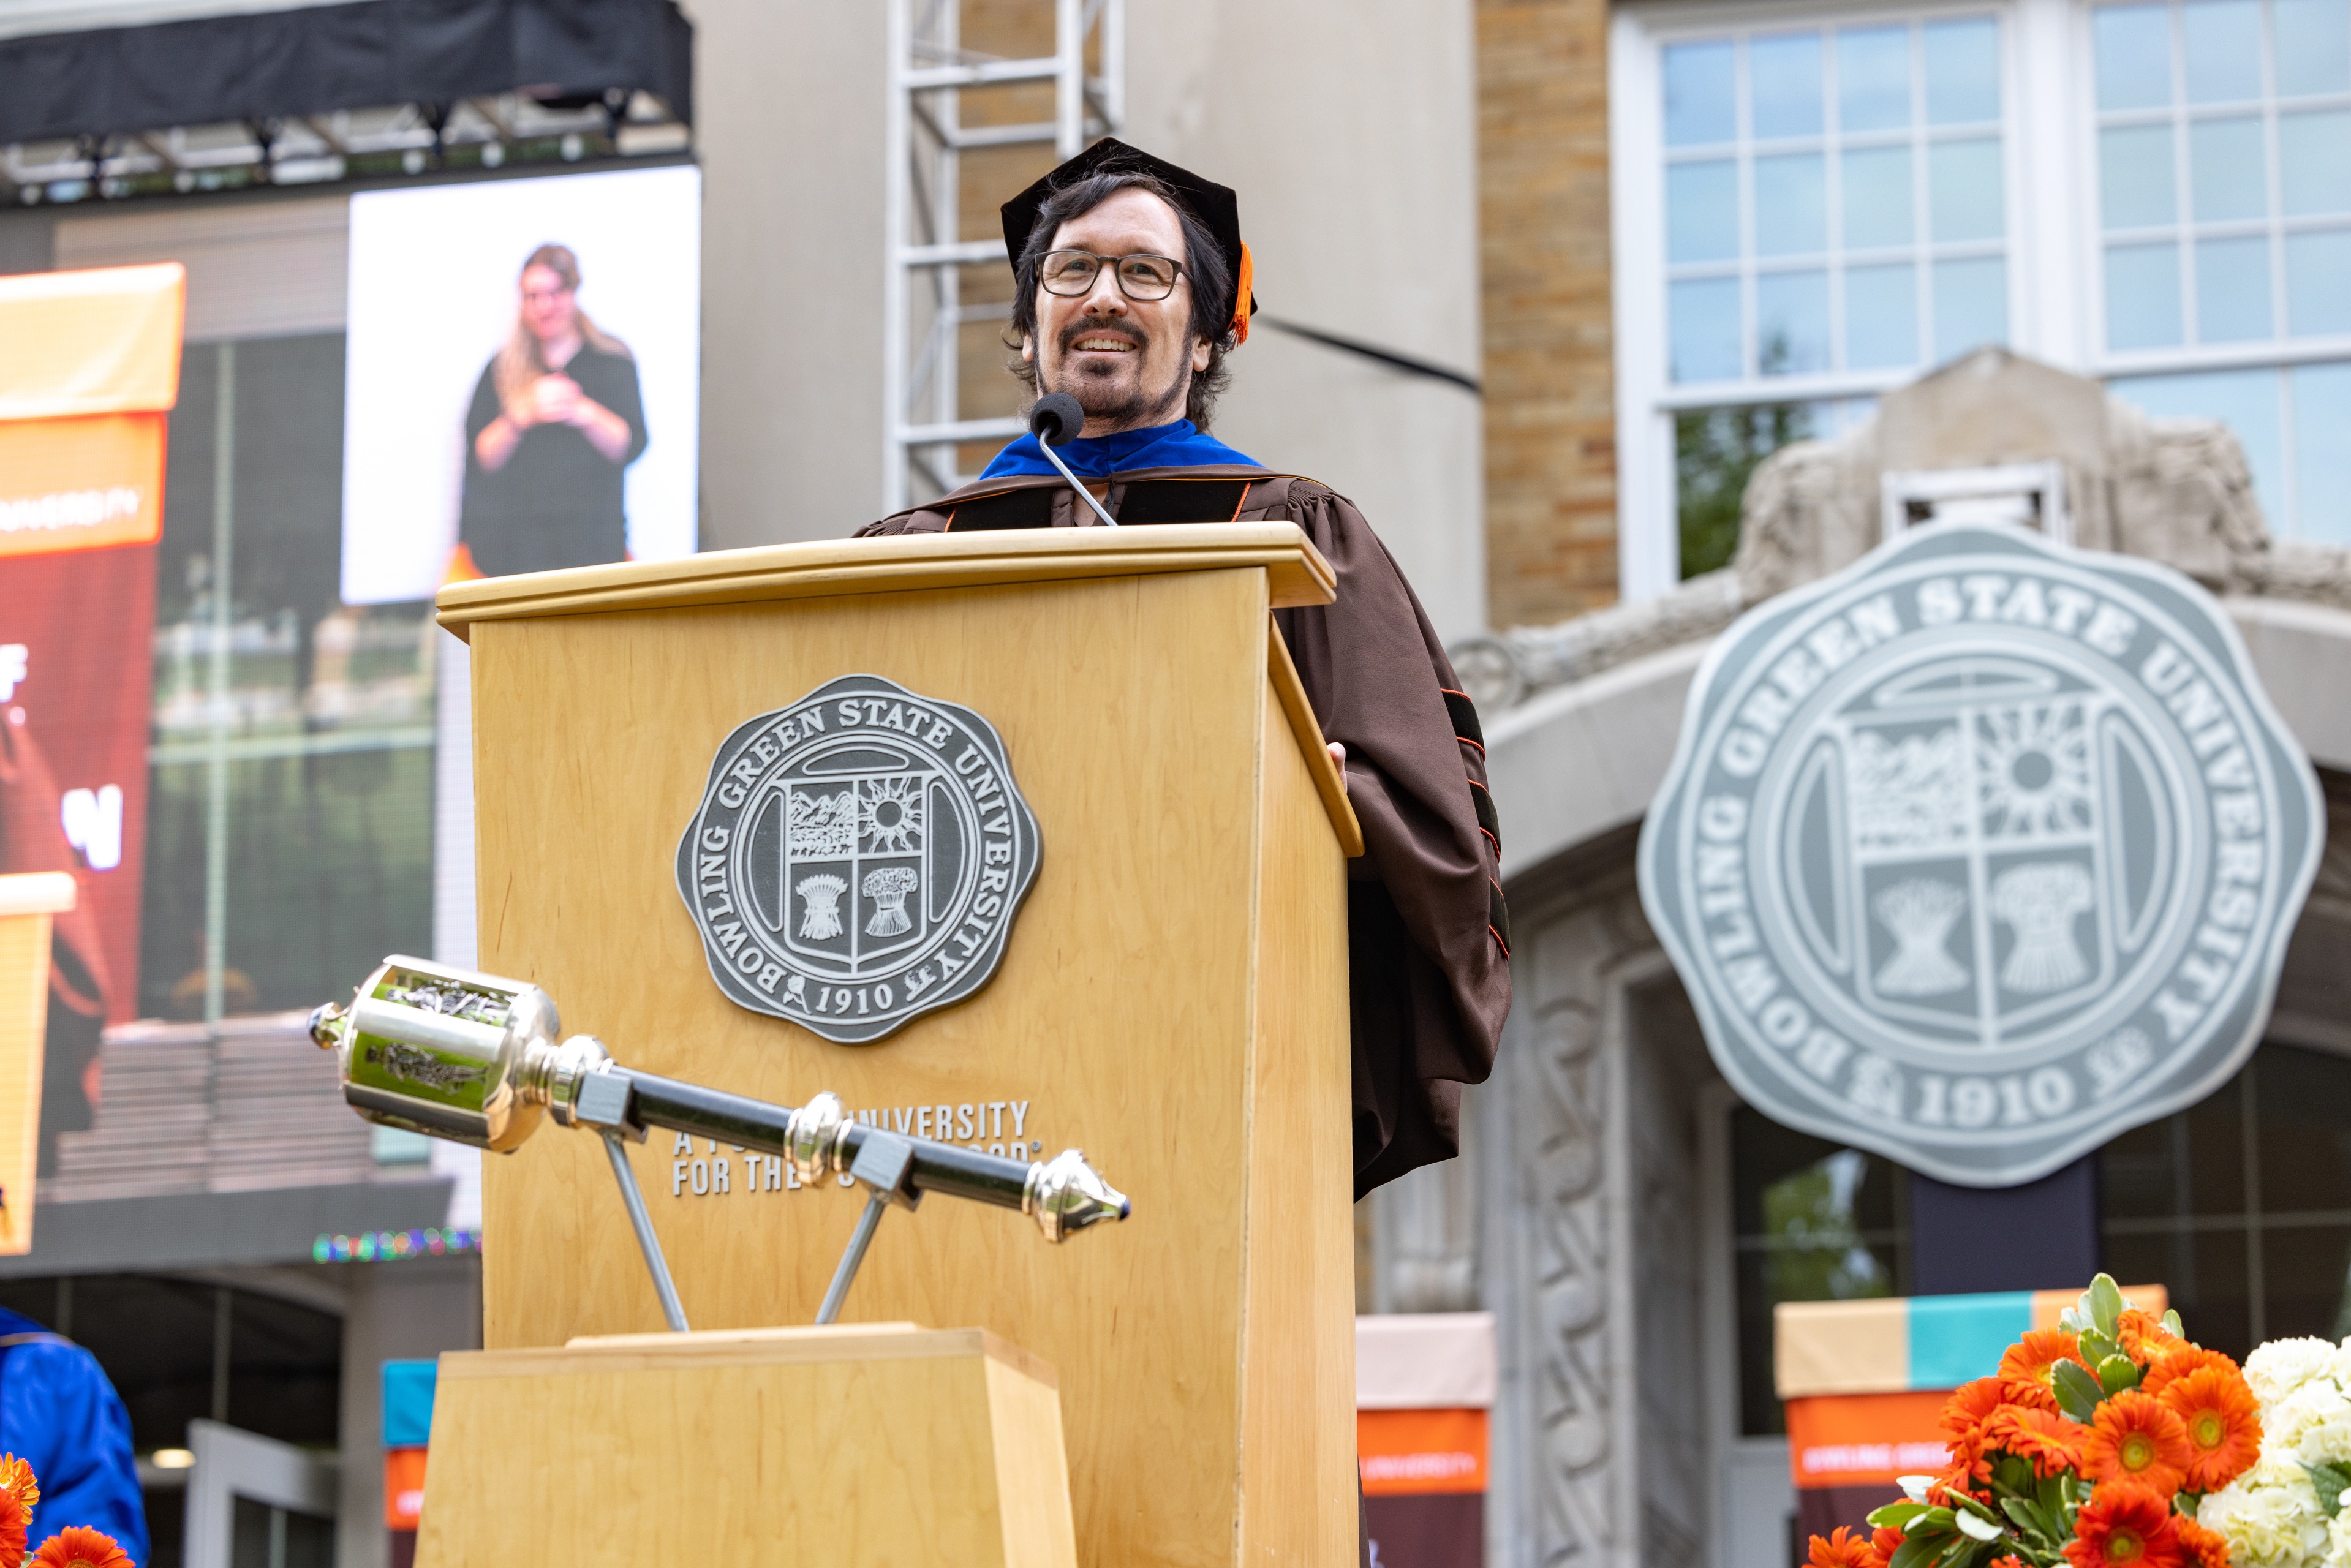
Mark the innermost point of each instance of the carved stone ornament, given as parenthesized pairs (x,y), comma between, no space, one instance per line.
(857,858)
(1980,851)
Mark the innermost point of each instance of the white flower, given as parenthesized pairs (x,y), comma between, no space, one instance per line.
(2338,1538)
(2283,1366)
(2270,1516)
(2328,1441)
(2338,1367)
(2318,1402)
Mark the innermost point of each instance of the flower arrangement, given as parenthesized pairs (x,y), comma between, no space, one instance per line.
(2287,1510)
(2098,1444)
(72,1547)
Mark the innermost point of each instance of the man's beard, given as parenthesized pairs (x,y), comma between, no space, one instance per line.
(1121,402)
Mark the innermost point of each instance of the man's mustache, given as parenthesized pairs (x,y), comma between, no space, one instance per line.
(1070,335)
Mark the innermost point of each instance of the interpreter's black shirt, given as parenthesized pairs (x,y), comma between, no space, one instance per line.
(557,502)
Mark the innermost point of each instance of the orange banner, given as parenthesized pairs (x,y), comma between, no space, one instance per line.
(1407,1453)
(101,341)
(80,483)
(1864,1439)
(403,1488)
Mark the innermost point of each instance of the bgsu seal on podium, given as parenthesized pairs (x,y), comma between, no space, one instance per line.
(1981,852)
(857,858)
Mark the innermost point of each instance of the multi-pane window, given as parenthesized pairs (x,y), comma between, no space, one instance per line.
(2225,171)
(1811,1221)
(2224,228)
(2240,1204)
(1834,198)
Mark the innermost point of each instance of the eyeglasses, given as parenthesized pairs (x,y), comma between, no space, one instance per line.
(1069,273)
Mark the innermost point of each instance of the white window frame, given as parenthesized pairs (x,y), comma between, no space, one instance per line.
(2280,353)
(2043,237)
(2261,353)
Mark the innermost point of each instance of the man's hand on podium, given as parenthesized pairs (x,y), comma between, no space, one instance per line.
(1339,756)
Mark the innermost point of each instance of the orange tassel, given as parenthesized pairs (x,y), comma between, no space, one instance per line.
(1241,300)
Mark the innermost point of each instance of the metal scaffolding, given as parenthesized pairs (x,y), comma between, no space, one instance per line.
(931,76)
(475,133)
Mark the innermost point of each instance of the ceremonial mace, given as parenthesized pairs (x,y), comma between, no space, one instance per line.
(473,1059)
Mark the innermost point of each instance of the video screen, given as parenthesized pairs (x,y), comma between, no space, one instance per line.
(522,378)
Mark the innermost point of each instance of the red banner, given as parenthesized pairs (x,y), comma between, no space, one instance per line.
(82,419)
(76,663)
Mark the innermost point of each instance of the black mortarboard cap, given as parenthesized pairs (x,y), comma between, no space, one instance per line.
(1216,206)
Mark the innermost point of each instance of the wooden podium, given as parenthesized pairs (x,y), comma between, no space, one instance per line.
(29,902)
(1172,998)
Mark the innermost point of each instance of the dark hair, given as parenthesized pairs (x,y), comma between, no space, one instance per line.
(1204,267)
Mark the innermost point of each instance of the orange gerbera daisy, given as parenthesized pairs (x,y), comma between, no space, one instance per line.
(2135,1438)
(2205,1548)
(2223,1423)
(2143,1336)
(15,1519)
(2032,1358)
(2126,1525)
(1843,1548)
(1970,1405)
(1964,1414)
(2052,1443)
(2029,1392)
(1884,1543)
(2178,1361)
(16,1476)
(75,1547)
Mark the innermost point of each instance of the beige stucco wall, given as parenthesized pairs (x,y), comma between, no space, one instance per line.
(1349,129)
(788,110)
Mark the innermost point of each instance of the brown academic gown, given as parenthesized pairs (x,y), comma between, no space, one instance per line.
(1428,937)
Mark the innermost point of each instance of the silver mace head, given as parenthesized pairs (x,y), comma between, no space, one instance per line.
(1065,1194)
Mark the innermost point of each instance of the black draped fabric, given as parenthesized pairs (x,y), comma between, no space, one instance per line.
(315,59)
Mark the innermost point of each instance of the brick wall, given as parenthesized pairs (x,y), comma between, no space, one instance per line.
(1551,446)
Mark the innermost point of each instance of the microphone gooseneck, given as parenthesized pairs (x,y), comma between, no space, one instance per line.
(1057,418)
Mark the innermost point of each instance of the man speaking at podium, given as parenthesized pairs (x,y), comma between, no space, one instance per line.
(1132,285)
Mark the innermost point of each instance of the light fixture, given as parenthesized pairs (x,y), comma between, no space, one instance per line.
(172,1458)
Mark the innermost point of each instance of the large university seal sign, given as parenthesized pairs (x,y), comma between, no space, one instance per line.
(1981,852)
(857,858)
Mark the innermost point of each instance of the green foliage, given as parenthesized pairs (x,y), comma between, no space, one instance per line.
(1922,1548)
(2106,1305)
(2078,1392)
(2329,1481)
(2118,1371)
(1715,452)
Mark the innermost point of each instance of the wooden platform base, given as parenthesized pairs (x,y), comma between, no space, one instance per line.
(876,1444)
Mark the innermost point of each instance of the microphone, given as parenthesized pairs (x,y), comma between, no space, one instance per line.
(1057,418)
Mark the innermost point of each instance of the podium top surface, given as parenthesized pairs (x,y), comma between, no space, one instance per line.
(751,1347)
(36,893)
(901,563)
